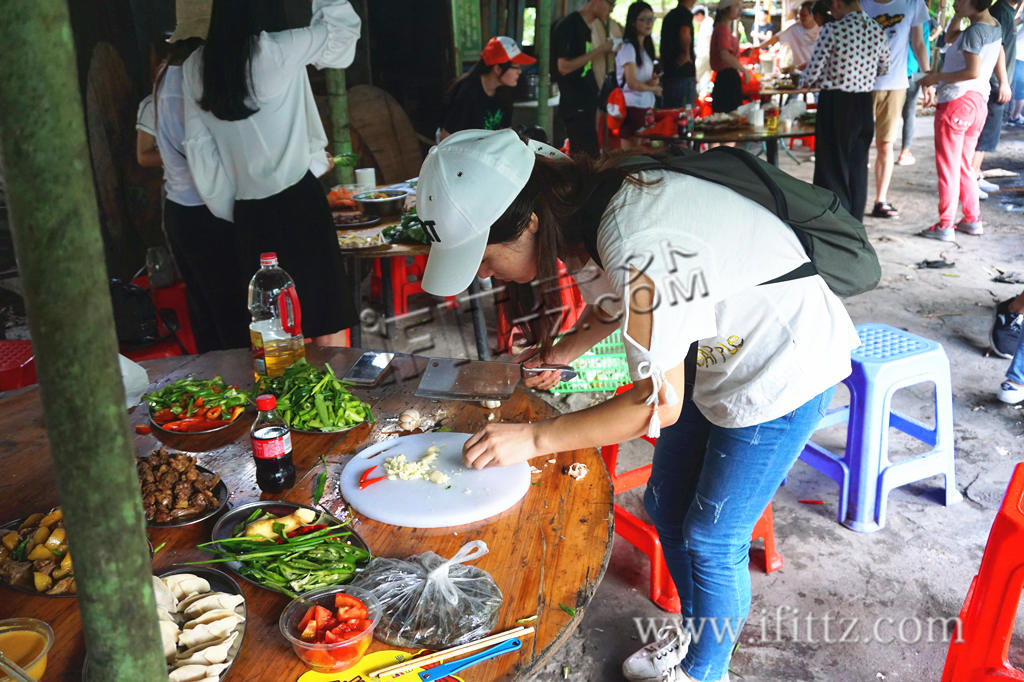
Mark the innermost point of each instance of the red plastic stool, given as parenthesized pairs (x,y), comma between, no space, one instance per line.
(644,536)
(171,298)
(572,307)
(406,280)
(17,365)
(989,611)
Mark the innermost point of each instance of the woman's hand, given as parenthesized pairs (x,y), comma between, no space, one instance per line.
(928,80)
(544,380)
(1005,92)
(500,445)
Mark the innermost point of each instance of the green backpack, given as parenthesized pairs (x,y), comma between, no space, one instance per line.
(834,240)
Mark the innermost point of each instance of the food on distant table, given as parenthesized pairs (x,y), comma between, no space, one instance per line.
(398,468)
(377,195)
(355,241)
(290,554)
(409,420)
(173,489)
(408,231)
(198,627)
(195,405)
(343,219)
(35,556)
(311,399)
(340,198)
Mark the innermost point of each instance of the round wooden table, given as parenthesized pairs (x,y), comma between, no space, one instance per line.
(551,548)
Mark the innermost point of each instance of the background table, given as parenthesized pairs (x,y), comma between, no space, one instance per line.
(747,133)
(551,548)
(385,253)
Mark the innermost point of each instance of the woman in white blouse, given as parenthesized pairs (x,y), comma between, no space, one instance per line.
(766,362)
(254,142)
(634,68)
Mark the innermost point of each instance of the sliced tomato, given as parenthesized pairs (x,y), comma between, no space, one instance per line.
(331,638)
(321,616)
(352,612)
(308,633)
(306,618)
(343,599)
(318,659)
(361,625)
(331,623)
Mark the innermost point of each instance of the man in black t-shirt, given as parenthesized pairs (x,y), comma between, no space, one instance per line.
(571,55)
(678,58)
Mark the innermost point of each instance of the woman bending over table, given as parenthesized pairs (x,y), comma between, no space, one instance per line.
(255,144)
(767,357)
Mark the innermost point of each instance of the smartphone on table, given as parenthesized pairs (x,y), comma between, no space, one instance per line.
(369,368)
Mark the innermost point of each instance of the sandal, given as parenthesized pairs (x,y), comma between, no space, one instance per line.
(883,209)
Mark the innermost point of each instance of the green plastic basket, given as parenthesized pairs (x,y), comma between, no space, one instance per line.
(602,368)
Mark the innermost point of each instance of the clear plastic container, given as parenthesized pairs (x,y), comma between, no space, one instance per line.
(276,328)
(26,641)
(340,655)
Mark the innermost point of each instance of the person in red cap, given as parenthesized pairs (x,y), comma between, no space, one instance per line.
(482,98)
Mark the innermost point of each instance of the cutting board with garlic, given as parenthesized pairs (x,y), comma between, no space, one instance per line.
(426,485)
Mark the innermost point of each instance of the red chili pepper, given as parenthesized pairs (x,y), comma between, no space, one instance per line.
(235,411)
(811,501)
(305,530)
(180,424)
(213,413)
(365,479)
(143,429)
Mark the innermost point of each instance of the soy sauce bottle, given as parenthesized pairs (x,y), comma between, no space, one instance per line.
(271,447)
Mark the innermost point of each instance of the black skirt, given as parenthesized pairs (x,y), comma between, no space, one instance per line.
(203,246)
(728,92)
(296,224)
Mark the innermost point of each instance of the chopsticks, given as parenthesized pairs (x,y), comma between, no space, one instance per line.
(15,671)
(453,652)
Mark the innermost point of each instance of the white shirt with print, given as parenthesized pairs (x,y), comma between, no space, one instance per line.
(896,18)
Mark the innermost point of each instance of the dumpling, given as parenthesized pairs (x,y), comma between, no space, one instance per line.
(184,584)
(191,599)
(208,653)
(169,638)
(214,600)
(192,673)
(164,598)
(211,616)
(208,632)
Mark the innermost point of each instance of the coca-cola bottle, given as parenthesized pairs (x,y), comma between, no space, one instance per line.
(271,447)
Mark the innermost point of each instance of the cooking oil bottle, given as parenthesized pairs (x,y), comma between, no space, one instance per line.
(276,328)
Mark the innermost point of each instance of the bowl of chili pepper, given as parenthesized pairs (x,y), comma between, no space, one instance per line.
(193,405)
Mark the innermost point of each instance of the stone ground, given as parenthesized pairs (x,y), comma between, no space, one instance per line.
(921,564)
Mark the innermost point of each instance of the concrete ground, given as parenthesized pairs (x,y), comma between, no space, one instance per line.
(920,565)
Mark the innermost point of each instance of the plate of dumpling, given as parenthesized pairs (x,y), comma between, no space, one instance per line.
(202,622)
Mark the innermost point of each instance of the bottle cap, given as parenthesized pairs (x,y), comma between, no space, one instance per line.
(266,402)
(268,258)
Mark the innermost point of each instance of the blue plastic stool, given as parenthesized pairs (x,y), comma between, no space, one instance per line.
(888,359)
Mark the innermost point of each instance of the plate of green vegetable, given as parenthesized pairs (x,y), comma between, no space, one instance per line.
(286,547)
(313,400)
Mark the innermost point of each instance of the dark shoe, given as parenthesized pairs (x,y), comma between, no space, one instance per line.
(883,209)
(1006,331)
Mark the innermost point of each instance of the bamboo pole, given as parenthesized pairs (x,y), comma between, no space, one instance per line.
(42,140)
(337,97)
(542,36)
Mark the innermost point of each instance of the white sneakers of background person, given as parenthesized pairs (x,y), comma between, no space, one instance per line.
(659,660)
(1009,393)
(986,186)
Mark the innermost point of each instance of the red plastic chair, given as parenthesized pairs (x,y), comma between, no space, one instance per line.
(17,364)
(572,307)
(644,536)
(171,298)
(990,609)
(406,281)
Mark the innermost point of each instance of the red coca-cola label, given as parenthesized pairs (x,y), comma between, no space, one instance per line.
(272,448)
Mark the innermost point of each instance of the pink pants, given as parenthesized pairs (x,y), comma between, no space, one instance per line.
(958,124)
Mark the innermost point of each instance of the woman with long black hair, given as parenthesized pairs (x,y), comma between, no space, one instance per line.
(255,143)
(482,97)
(768,353)
(634,68)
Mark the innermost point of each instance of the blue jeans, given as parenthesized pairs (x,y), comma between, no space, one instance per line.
(1015,373)
(709,486)
(678,92)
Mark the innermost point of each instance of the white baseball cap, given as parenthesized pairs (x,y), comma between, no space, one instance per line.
(466,183)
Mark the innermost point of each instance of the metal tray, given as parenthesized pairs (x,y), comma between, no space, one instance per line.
(222,529)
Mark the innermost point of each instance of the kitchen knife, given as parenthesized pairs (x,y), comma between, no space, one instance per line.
(454,379)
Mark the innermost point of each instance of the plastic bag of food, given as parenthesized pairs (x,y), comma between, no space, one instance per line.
(432,602)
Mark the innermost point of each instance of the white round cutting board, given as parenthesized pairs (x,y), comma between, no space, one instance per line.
(473,495)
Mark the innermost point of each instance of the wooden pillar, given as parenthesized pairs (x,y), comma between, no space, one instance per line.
(337,97)
(42,140)
(543,40)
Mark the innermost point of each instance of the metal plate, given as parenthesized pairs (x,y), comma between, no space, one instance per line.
(220,491)
(224,526)
(367,221)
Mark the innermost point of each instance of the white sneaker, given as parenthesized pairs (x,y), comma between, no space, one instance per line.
(1010,393)
(659,660)
(986,186)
